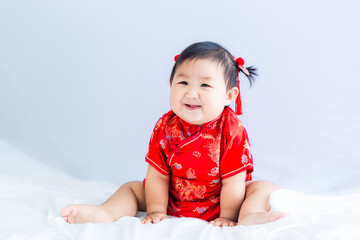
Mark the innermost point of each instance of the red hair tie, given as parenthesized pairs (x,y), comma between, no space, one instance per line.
(176,57)
(240,63)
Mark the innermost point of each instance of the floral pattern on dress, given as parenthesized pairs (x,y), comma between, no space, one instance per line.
(248,147)
(215,181)
(244,159)
(200,209)
(163,144)
(213,145)
(190,174)
(187,190)
(215,199)
(158,124)
(197,154)
(214,171)
(178,166)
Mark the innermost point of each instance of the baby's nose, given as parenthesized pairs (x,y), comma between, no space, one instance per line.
(192,94)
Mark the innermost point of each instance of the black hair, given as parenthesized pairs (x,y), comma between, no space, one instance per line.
(215,52)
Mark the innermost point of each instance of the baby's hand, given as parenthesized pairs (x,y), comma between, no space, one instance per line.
(154,217)
(223,222)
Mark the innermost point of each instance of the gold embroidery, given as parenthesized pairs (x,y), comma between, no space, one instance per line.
(213,146)
(197,154)
(186,190)
(190,174)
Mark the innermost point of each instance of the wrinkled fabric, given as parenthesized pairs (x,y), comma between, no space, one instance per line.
(33,194)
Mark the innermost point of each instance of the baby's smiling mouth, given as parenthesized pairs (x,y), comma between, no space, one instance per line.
(192,107)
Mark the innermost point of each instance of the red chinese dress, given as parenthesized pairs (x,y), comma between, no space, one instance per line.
(197,159)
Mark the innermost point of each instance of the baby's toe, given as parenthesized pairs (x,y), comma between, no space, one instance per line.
(69,214)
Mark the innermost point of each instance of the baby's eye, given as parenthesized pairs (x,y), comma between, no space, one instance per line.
(205,85)
(183,83)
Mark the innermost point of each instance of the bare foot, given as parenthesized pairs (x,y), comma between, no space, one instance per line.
(261,218)
(79,213)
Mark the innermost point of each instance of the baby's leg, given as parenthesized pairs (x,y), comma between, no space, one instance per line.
(126,201)
(256,207)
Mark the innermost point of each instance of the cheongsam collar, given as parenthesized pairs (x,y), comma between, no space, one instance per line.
(205,128)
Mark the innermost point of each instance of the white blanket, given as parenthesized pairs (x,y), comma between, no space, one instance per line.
(32,195)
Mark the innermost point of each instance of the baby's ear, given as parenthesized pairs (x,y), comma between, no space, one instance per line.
(231,95)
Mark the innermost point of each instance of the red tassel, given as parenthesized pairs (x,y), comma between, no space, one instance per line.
(238,105)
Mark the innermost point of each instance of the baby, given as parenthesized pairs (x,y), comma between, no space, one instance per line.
(199,156)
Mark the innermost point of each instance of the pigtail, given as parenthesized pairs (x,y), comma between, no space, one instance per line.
(250,73)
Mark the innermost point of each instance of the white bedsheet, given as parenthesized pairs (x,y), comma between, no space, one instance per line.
(31,196)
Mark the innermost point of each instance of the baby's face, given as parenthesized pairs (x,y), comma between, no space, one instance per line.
(198,91)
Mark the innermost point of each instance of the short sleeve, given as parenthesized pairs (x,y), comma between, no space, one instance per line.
(237,155)
(156,156)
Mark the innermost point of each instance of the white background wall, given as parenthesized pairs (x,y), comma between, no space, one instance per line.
(82,83)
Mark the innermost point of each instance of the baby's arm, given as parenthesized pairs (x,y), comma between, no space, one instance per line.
(156,196)
(231,197)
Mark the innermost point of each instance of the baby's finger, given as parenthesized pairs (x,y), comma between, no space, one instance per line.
(146,220)
(231,224)
(156,219)
(225,224)
(217,223)
(159,218)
